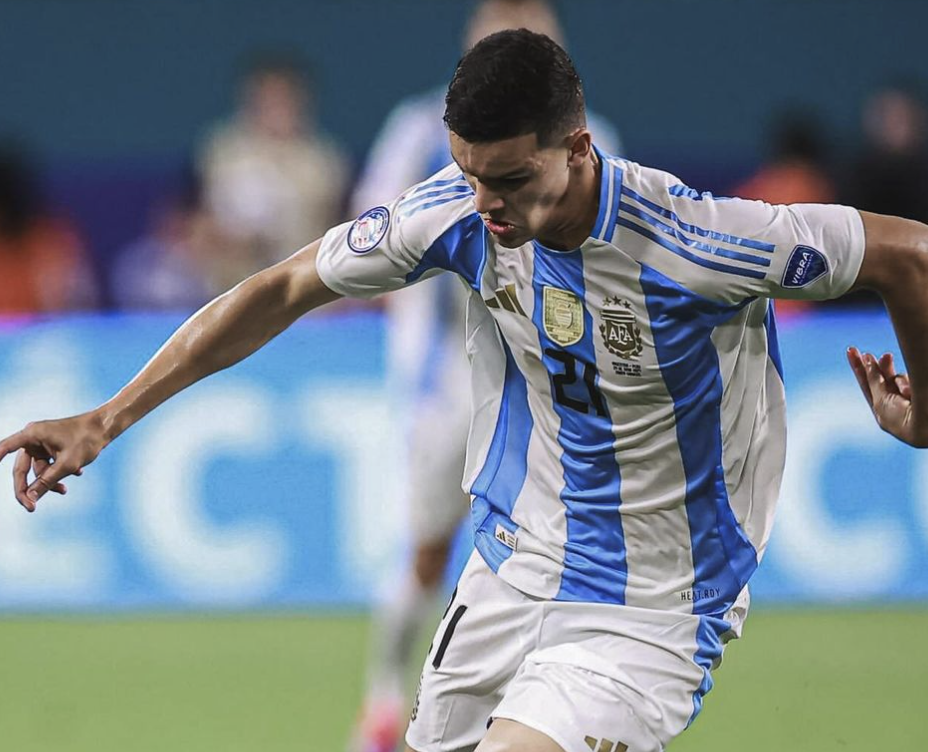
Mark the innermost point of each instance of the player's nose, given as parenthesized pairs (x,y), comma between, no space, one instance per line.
(486,201)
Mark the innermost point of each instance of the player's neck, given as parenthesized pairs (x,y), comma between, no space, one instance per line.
(578,209)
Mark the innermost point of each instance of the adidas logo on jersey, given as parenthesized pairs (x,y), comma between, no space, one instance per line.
(605,745)
(506,299)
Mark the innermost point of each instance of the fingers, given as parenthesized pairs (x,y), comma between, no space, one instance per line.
(20,480)
(858,366)
(897,382)
(47,478)
(41,451)
(11,443)
(50,479)
(875,378)
(40,465)
(887,366)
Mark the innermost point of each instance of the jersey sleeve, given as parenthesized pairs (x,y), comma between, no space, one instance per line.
(733,249)
(390,246)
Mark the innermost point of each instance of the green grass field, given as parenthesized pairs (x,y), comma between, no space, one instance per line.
(799,680)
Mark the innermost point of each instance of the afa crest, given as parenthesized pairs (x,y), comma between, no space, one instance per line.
(620,330)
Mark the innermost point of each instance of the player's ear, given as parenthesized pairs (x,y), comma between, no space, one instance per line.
(579,145)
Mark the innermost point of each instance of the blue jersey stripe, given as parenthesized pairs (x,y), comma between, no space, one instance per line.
(682,323)
(617,174)
(686,192)
(503,474)
(699,260)
(451,190)
(460,249)
(594,552)
(773,342)
(674,233)
(757,245)
(444,199)
(460,187)
(707,657)
(436,184)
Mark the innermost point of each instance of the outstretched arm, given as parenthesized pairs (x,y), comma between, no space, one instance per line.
(895,265)
(222,333)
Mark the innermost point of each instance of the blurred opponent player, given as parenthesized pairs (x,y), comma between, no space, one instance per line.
(429,363)
(628,430)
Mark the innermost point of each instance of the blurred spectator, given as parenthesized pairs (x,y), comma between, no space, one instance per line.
(166,268)
(890,173)
(797,169)
(271,180)
(796,172)
(43,265)
(890,176)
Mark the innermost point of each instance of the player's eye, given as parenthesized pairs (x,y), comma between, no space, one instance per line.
(510,182)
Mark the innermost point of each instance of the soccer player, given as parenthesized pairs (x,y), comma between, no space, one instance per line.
(628,435)
(426,336)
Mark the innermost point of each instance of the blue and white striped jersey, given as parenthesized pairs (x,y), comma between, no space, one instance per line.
(628,433)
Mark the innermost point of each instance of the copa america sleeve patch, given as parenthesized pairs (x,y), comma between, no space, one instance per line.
(369,229)
(805,265)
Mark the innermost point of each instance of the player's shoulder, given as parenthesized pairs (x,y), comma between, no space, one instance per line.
(651,182)
(431,207)
(711,246)
(420,215)
(666,196)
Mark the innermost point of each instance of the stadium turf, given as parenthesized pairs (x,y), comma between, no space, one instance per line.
(800,680)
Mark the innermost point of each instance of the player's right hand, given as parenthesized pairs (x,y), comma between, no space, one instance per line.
(52,450)
(889,394)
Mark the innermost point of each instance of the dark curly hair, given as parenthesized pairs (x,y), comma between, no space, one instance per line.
(513,83)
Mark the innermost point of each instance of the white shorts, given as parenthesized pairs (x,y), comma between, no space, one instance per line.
(590,676)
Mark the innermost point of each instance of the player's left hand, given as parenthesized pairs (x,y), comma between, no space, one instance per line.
(888,393)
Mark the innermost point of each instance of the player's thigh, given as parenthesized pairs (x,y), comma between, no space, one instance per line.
(479,646)
(510,736)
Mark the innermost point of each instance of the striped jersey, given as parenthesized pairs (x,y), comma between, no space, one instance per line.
(628,430)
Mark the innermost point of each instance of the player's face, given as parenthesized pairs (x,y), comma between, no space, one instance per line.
(520,188)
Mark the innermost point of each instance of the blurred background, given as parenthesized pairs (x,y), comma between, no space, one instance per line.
(209,582)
